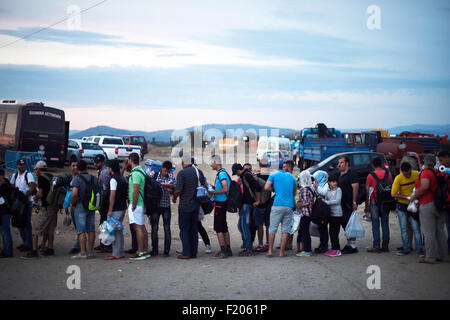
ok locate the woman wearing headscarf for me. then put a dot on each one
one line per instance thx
(304, 205)
(321, 182)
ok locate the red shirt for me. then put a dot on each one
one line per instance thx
(429, 195)
(371, 182)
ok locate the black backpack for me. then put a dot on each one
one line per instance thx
(234, 196)
(320, 210)
(153, 192)
(384, 200)
(441, 193)
(93, 194)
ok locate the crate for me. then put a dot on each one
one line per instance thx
(152, 166)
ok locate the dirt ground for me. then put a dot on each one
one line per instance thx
(207, 278)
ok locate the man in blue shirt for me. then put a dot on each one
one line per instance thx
(283, 184)
(222, 185)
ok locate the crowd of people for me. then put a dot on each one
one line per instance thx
(269, 202)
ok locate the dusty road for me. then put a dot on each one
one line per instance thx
(242, 278)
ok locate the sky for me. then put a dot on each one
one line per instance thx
(153, 65)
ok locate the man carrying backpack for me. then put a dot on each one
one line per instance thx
(251, 199)
(136, 207)
(103, 177)
(444, 164)
(431, 218)
(24, 181)
(221, 192)
(377, 209)
(43, 220)
(84, 218)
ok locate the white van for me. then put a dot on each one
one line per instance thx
(276, 144)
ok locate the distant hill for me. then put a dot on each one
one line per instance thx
(165, 135)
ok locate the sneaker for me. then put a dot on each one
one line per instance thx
(141, 256)
(333, 253)
(265, 248)
(4, 255)
(229, 253)
(208, 249)
(153, 253)
(221, 255)
(48, 252)
(31, 255)
(131, 251)
(90, 255)
(421, 254)
(303, 254)
(74, 251)
(246, 253)
(320, 250)
(80, 256)
(349, 250)
(179, 251)
(403, 253)
(384, 249)
(374, 250)
(259, 249)
(23, 248)
(400, 249)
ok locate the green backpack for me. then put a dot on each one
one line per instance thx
(57, 192)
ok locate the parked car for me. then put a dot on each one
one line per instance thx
(114, 147)
(81, 150)
(360, 162)
(136, 141)
(273, 158)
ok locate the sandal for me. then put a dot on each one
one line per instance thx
(113, 258)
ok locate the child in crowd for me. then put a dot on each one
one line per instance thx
(333, 199)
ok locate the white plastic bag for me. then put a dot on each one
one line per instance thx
(314, 230)
(412, 207)
(106, 238)
(296, 217)
(355, 228)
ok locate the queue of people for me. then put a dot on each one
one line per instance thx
(124, 186)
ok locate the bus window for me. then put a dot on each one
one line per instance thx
(11, 124)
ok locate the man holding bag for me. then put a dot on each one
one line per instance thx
(402, 190)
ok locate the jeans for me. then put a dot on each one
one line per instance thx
(433, 228)
(304, 232)
(203, 234)
(25, 233)
(244, 222)
(6, 235)
(447, 222)
(403, 219)
(118, 243)
(154, 220)
(375, 212)
(188, 224)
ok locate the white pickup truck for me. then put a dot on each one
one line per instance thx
(114, 147)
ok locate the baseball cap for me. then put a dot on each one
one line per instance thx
(21, 161)
(41, 165)
(235, 167)
(99, 158)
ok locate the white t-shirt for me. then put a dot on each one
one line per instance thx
(113, 184)
(21, 182)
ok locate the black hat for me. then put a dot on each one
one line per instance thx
(235, 167)
(21, 161)
(99, 158)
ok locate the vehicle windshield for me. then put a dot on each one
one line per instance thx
(112, 141)
(324, 161)
(138, 140)
(91, 146)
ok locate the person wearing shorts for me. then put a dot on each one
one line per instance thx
(283, 183)
(84, 218)
(136, 208)
(222, 186)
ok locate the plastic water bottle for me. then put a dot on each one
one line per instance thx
(97, 200)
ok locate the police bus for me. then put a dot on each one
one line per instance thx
(33, 127)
